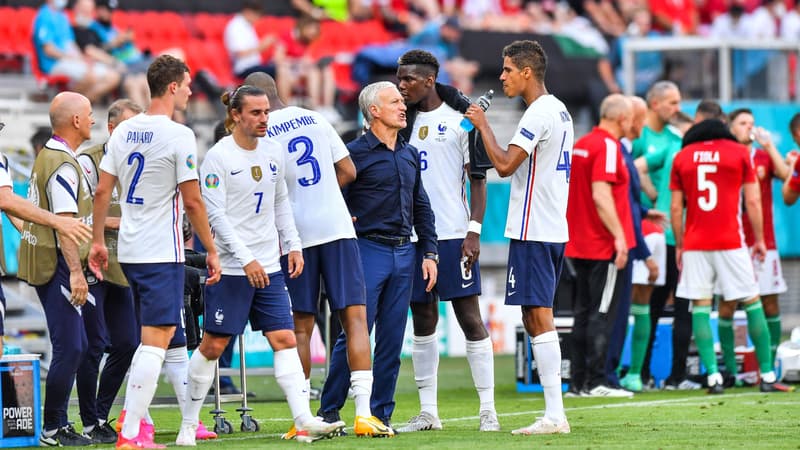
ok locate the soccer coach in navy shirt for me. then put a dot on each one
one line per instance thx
(386, 200)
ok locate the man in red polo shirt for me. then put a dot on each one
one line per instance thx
(601, 233)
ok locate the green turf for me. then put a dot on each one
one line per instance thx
(740, 418)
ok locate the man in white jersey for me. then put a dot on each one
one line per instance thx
(317, 166)
(444, 151)
(248, 206)
(538, 160)
(18, 207)
(154, 160)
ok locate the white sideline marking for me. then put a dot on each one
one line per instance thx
(684, 401)
(677, 401)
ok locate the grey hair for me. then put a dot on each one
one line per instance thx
(615, 106)
(369, 97)
(119, 107)
(659, 88)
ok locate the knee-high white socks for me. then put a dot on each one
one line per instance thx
(425, 356)
(142, 382)
(547, 353)
(200, 377)
(290, 377)
(176, 367)
(480, 356)
(361, 382)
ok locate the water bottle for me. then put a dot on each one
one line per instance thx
(483, 101)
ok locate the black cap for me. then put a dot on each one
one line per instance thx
(110, 4)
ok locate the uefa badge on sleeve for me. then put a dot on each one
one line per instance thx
(190, 162)
(212, 181)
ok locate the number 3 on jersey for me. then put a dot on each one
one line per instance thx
(135, 157)
(306, 158)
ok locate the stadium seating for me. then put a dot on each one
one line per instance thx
(199, 34)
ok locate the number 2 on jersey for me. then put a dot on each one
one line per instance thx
(134, 158)
(306, 158)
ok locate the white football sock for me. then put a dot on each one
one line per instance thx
(142, 382)
(361, 382)
(176, 366)
(768, 377)
(425, 356)
(547, 353)
(147, 417)
(480, 356)
(200, 377)
(292, 380)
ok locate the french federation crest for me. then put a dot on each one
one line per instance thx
(256, 173)
(423, 133)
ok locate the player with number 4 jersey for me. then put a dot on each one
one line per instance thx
(538, 160)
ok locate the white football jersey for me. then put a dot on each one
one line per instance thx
(311, 147)
(248, 206)
(151, 155)
(537, 207)
(443, 148)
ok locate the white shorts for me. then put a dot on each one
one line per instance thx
(730, 270)
(770, 274)
(657, 244)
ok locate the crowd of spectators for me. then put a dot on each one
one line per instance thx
(99, 59)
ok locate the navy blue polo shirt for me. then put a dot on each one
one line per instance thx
(387, 196)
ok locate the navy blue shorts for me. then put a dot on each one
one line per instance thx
(232, 301)
(339, 265)
(533, 272)
(452, 282)
(158, 290)
(179, 338)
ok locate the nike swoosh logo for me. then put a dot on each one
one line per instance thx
(512, 293)
(235, 172)
(464, 286)
(197, 399)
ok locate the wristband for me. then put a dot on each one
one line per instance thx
(474, 227)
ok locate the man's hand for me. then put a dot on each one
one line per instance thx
(471, 250)
(73, 229)
(477, 116)
(213, 268)
(429, 272)
(652, 268)
(657, 217)
(679, 258)
(760, 251)
(98, 259)
(621, 250)
(79, 288)
(256, 275)
(296, 264)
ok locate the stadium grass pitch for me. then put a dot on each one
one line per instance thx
(742, 417)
